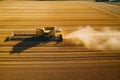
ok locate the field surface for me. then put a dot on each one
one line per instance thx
(34, 60)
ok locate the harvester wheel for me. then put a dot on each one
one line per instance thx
(60, 38)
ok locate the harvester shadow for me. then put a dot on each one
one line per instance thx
(28, 43)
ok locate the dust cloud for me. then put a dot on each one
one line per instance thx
(104, 39)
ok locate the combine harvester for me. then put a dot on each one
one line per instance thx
(42, 34)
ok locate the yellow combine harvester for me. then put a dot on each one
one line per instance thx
(51, 33)
(42, 34)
